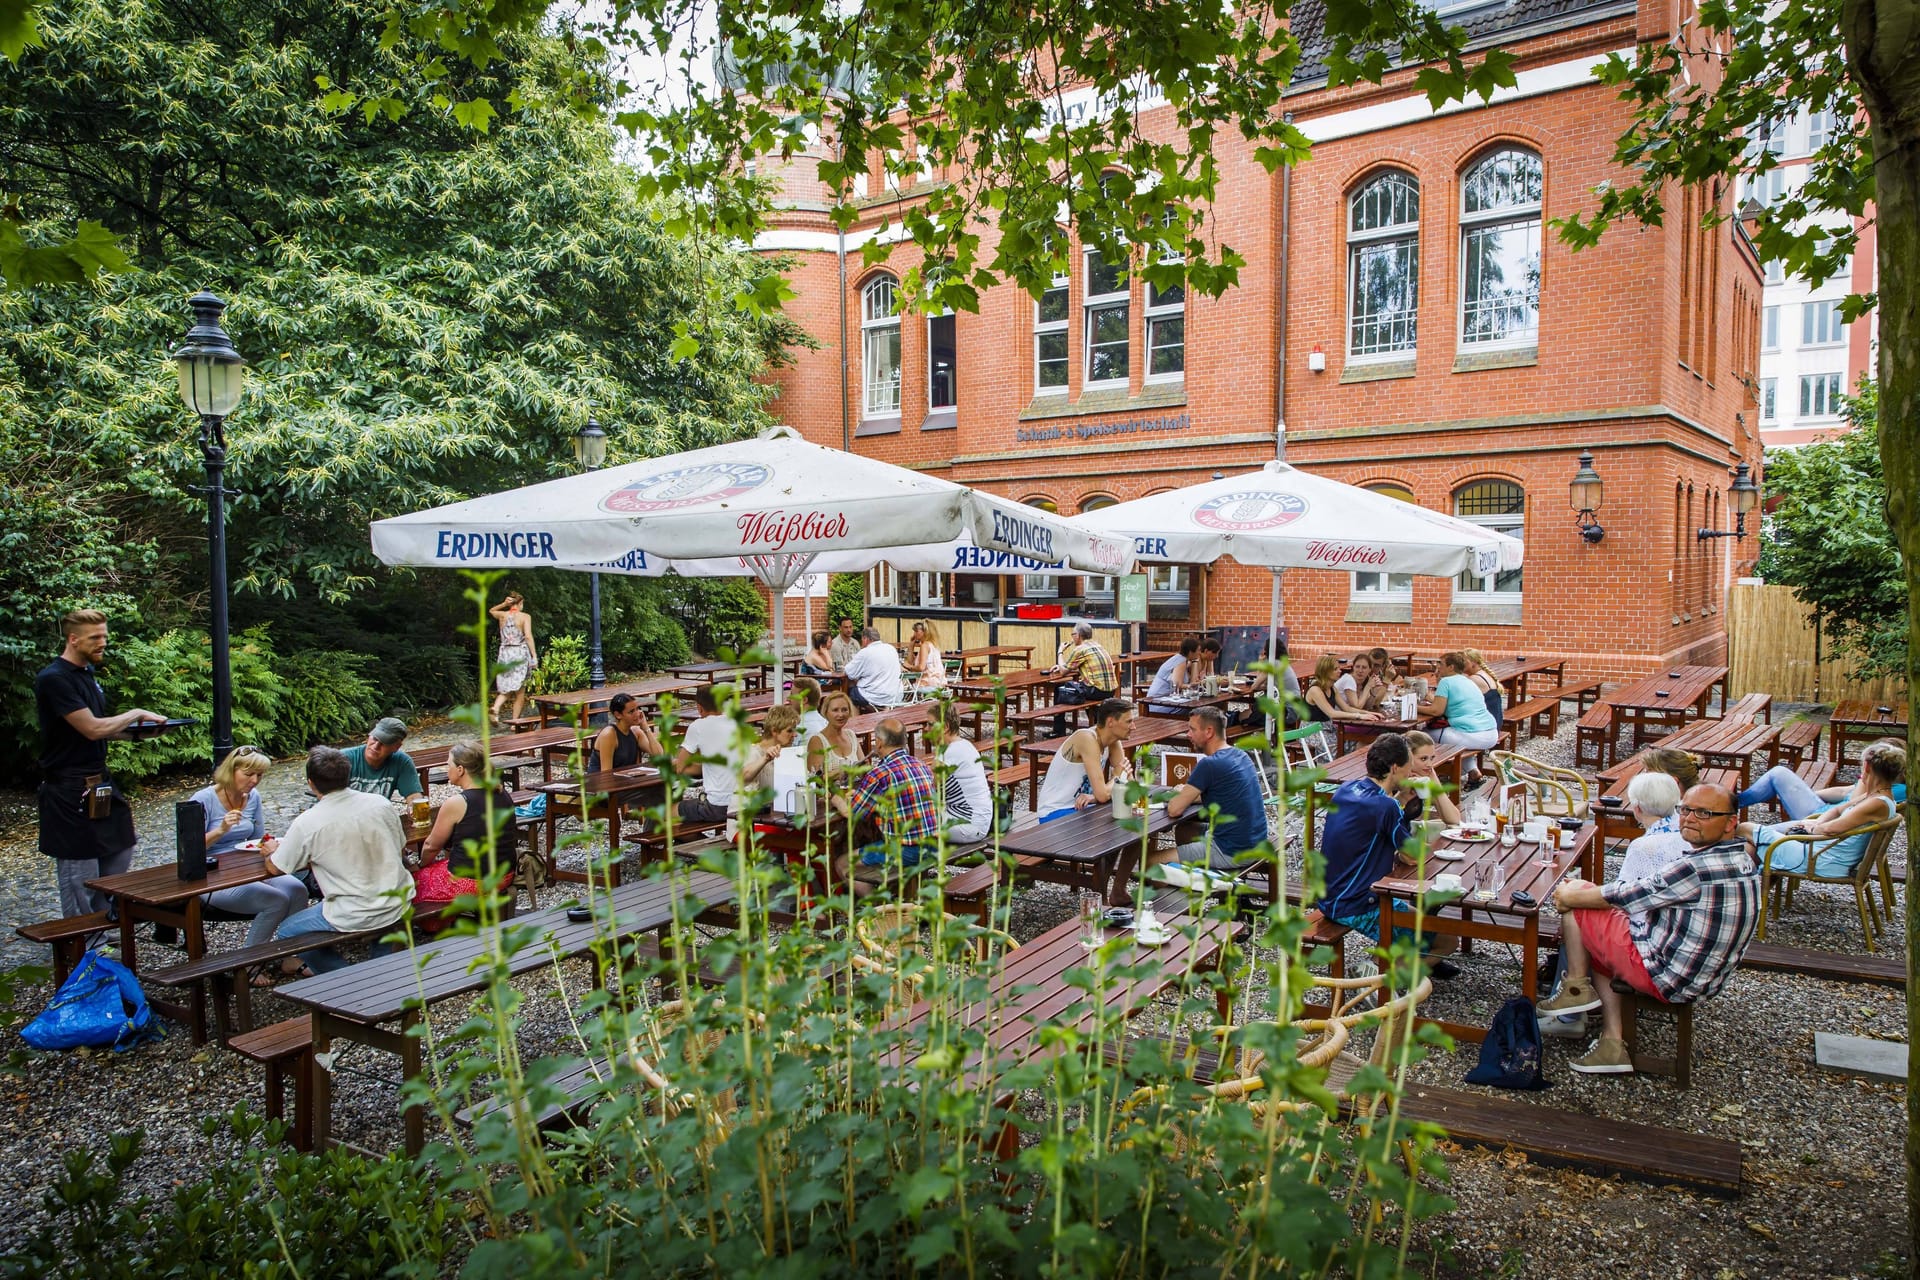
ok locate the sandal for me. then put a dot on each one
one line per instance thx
(260, 979)
(294, 967)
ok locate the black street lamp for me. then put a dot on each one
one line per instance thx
(1743, 495)
(1585, 492)
(590, 450)
(212, 377)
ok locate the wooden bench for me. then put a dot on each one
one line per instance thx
(1539, 716)
(971, 889)
(1680, 1065)
(653, 843)
(68, 939)
(1584, 695)
(1817, 773)
(286, 1050)
(1751, 707)
(1799, 742)
(1646, 1153)
(1593, 738)
(226, 974)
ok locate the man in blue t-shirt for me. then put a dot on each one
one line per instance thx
(1362, 841)
(1227, 780)
(381, 768)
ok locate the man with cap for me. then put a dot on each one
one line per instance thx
(381, 767)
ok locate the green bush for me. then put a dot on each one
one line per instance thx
(172, 675)
(272, 1214)
(563, 666)
(717, 613)
(328, 696)
(847, 598)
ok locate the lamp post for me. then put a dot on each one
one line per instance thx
(1586, 491)
(590, 450)
(212, 378)
(1743, 495)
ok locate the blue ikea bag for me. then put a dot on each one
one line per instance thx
(99, 1004)
(1512, 1054)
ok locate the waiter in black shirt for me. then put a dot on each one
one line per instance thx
(86, 825)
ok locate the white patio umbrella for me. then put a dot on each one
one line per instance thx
(1281, 517)
(772, 508)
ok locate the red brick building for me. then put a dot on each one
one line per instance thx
(1406, 319)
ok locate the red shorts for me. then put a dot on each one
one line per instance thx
(1610, 949)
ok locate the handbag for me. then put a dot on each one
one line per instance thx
(99, 1004)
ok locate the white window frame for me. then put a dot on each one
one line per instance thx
(1361, 242)
(881, 583)
(877, 321)
(1093, 304)
(1770, 328)
(1769, 399)
(1820, 395)
(1164, 308)
(1169, 583)
(1820, 127)
(1043, 328)
(1044, 585)
(1513, 525)
(952, 405)
(1821, 325)
(1523, 217)
(1776, 271)
(1370, 587)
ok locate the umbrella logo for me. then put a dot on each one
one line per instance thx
(1250, 509)
(686, 487)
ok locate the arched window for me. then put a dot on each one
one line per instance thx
(1383, 266)
(879, 349)
(1385, 588)
(1501, 505)
(1500, 250)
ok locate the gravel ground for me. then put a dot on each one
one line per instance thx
(1825, 1177)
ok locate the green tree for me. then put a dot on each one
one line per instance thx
(1828, 539)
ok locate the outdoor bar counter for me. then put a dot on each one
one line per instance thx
(979, 628)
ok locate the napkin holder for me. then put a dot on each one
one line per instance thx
(190, 839)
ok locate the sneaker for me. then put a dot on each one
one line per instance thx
(1608, 1057)
(1443, 970)
(1576, 996)
(1571, 1026)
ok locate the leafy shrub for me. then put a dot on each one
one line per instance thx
(172, 674)
(328, 696)
(847, 598)
(718, 613)
(273, 1214)
(563, 667)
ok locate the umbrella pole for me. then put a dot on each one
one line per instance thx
(779, 646)
(1276, 735)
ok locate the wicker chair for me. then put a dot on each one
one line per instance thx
(1777, 886)
(1574, 792)
(885, 934)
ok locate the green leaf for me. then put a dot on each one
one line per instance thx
(18, 29)
(476, 114)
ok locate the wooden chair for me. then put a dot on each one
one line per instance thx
(1777, 886)
(1680, 1065)
(1574, 792)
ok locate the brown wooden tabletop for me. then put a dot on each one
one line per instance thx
(581, 703)
(754, 673)
(1146, 729)
(501, 746)
(1856, 720)
(1514, 674)
(353, 1003)
(1499, 919)
(1031, 992)
(1368, 730)
(1021, 686)
(993, 654)
(1089, 849)
(1728, 743)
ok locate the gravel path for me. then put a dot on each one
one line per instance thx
(1825, 1189)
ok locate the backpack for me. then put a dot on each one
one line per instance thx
(1510, 1056)
(100, 1004)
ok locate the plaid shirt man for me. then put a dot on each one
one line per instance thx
(1691, 920)
(898, 791)
(1088, 663)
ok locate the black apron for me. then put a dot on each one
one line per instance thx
(66, 832)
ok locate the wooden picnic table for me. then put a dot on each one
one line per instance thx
(1856, 720)
(582, 704)
(1146, 729)
(1089, 849)
(1352, 767)
(611, 794)
(1665, 700)
(752, 674)
(1730, 744)
(1031, 994)
(1500, 920)
(991, 656)
(1514, 674)
(1368, 730)
(355, 1003)
(160, 895)
(506, 746)
(1021, 687)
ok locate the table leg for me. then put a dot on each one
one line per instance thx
(416, 1115)
(197, 949)
(1530, 958)
(129, 917)
(322, 1082)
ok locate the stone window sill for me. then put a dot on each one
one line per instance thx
(1484, 615)
(1511, 358)
(1377, 372)
(1379, 611)
(878, 426)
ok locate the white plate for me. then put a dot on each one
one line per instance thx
(250, 846)
(1158, 938)
(1438, 854)
(1459, 833)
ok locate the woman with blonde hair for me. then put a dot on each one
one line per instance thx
(235, 818)
(925, 661)
(1322, 702)
(835, 749)
(1483, 680)
(458, 856)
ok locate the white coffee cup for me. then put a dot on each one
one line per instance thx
(1447, 882)
(1534, 831)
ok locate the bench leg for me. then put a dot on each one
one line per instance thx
(276, 1090)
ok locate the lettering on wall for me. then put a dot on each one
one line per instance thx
(1096, 430)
